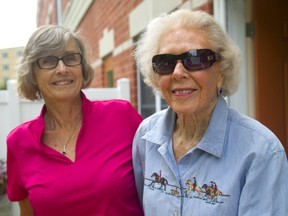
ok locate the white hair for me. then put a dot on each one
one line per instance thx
(158, 28)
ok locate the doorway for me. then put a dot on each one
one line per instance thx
(271, 65)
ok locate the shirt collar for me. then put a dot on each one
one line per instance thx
(38, 124)
(162, 130)
(213, 139)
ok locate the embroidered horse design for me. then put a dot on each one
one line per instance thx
(212, 194)
(158, 179)
(175, 192)
(192, 187)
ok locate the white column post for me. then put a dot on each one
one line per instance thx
(13, 103)
(123, 86)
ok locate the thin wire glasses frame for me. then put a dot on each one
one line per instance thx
(51, 62)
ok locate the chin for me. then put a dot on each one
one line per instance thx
(184, 109)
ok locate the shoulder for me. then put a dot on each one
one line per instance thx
(121, 108)
(23, 127)
(24, 131)
(158, 124)
(153, 119)
(116, 104)
(104, 103)
(112, 111)
(253, 133)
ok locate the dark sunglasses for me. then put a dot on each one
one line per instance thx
(193, 60)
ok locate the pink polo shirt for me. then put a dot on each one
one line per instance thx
(99, 182)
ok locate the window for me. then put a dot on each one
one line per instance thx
(5, 55)
(19, 53)
(5, 67)
(108, 76)
(110, 79)
(147, 100)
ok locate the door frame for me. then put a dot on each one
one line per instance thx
(231, 16)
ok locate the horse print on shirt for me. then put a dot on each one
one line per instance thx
(207, 192)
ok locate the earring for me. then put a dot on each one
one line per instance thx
(219, 92)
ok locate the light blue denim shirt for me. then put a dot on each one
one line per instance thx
(239, 168)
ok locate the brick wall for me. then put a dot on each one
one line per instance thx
(43, 14)
(114, 15)
(208, 7)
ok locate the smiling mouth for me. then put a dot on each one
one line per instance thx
(64, 82)
(183, 91)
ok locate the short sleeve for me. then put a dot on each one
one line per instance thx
(15, 187)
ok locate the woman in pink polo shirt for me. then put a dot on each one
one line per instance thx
(75, 157)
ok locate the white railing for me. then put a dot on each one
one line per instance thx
(14, 110)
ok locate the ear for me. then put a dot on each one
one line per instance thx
(34, 76)
(220, 80)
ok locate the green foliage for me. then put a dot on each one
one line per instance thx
(3, 84)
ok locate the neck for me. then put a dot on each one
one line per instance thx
(63, 132)
(189, 130)
(60, 122)
(63, 116)
(192, 127)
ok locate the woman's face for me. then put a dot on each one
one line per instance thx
(60, 83)
(189, 93)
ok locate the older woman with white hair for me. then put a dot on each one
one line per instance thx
(199, 156)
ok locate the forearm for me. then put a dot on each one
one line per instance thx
(26, 208)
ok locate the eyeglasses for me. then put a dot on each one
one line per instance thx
(51, 62)
(193, 60)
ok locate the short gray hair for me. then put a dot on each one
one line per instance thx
(148, 45)
(48, 40)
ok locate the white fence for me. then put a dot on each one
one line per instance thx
(14, 110)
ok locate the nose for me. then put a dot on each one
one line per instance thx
(179, 71)
(61, 67)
